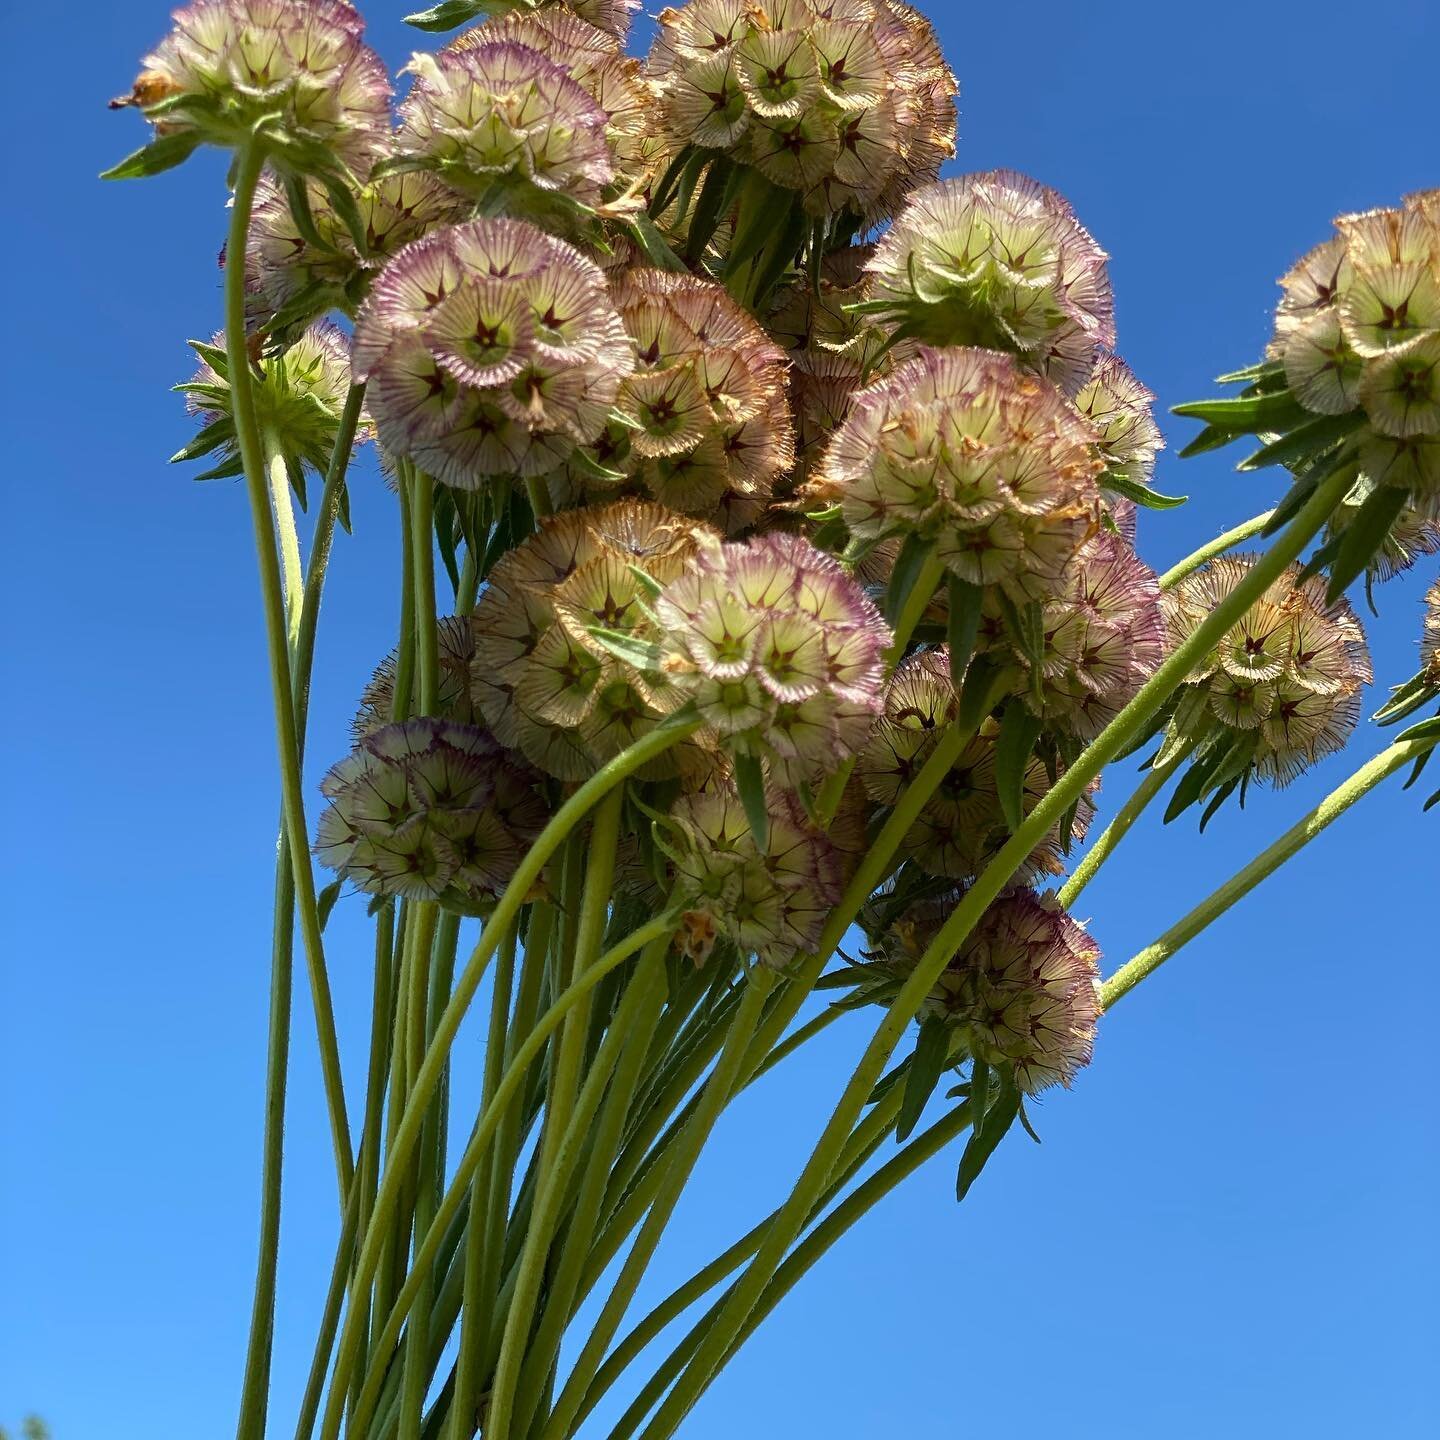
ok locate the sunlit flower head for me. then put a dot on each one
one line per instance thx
(1430, 634)
(967, 449)
(1120, 409)
(702, 424)
(291, 276)
(999, 260)
(963, 825)
(542, 681)
(1023, 992)
(491, 350)
(782, 652)
(301, 65)
(848, 102)
(1282, 689)
(429, 810)
(771, 905)
(299, 394)
(455, 651)
(1103, 636)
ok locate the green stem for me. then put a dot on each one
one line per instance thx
(1218, 546)
(1098, 853)
(248, 164)
(558, 1143)
(422, 536)
(1172, 673)
(516, 1072)
(277, 475)
(722, 1084)
(1330, 809)
(539, 497)
(400, 702)
(916, 604)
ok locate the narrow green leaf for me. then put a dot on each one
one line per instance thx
(708, 212)
(1014, 745)
(216, 433)
(979, 1092)
(446, 519)
(1365, 535)
(449, 14)
(962, 623)
(988, 1135)
(325, 901)
(1418, 769)
(648, 583)
(984, 684)
(1424, 730)
(159, 155)
(1216, 801)
(927, 1065)
(1142, 495)
(759, 204)
(908, 565)
(652, 244)
(642, 654)
(1305, 442)
(690, 158)
(750, 782)
(1247, 414)
(348, 209)
(1212, 437)
(1252, 374)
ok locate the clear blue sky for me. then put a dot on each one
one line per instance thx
(1230, 1228)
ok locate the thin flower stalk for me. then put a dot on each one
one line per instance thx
(1218, 546)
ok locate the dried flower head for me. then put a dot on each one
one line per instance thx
(298, 393)
(999, 260)
(1101, 635)
(495, 118)
(492, 351)
(1023, 992)
(298, 65)
(1430, 634)
(429, 810)
(455, 652)
(965, 448)
(543, 682)
(847, 102)
(781, 650)
(1282, 688)
(702, 424)
(1358, 328)
(772, 905)
(963, 825)
(295, 279)
(1120, 409)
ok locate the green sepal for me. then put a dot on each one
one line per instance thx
(988, 1133)
(908, 565)
(218, 432)
(979, 1092)
(1212, 437)
(1216, 801)
(1247, 414)
(587, 464)
(964, 601)
(642, 654)
(1266, 370)
(215, 356)
(984, 684)
(298, 196)
(689, 161)
(1364, 537)
(780, 257)
(653, 246)
(1406, 699)
(648, 583)
(1142, 495)
(1305, 442)
(158, 156)
(1423, 730)
(927, 1064)
(1025, 1122)
(1020, 728)
(449, 14)
(750, 782)
(709, 208)
(377, 904)
(446, 517)
(342, 197)
(325, 901)
(227, 470)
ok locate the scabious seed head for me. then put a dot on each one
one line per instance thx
(540, 678)
(288, 275)
(591, 55)
(967, 449)
(501, 118)
(1023, 992)
(1358, 328)
(963, 826)
(781, 650)
(848, 102)
(1102, 634)
(429, 810)
(1430, 634)
(455, 652)
(999, 260)
(1282, 688)
(491, 350)
(1412, 535)
(301, 64)
(702, 424)
(771, 905)
(299, 394)
(1121, 410)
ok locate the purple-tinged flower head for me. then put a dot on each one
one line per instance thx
(782, 652)
(702, 424)
(430, 810)
(298, 392)
(962, 827)
(999, 260)
(847, 102)
(540, 678)
(1022, 993)
(455, 652)
(492, 352)
(771, 905)
(1358, 329)
(1102, 635)
(291, 277)
(965, 448)
(591, 55)
(500, 119)
(1121, 410)
(1430, 635)
(299, 65)
(1282, 688)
